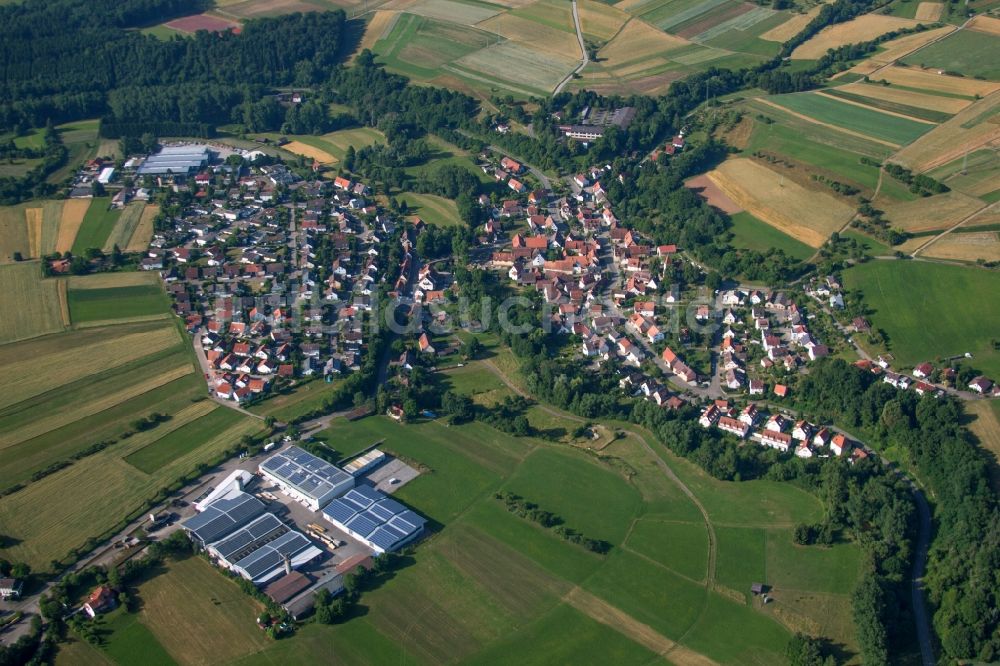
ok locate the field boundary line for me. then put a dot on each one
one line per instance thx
(806, 118)
(62, 289)
(820, 93)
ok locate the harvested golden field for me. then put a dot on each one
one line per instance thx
(125, 226)
(30, 305)
(926, 79)
(976, 126)
(926, 214)
(311, 152)
(807, 215)
(600, 20)
(860, 29)
(929, 11)
(908, 97)
(33, 218)
(638, 41)
(538, 35)
(967, 246)
(987, 24)
(380, 24)
(91, 404)
(73, 212)
(902, 46)
(143, 234)
(791, 27)
(985, 425)
(32, 368)
(111, 280)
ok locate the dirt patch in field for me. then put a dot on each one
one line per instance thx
(704, 187)
(69, 223)
(701, 26)
(791, 27)
(987, 24)
(860, 29)
(191, 24)
(952, 139)
(804, 214)
(306, 150)
(968, 246)
(929, 11)
(929, 79)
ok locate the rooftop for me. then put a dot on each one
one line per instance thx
(301, 470)
(223, 516)
(379, 519)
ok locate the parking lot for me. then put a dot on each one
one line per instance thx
(391, 476)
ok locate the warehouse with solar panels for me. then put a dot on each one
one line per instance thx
(381, 523)
(222, 516)
(264, 549)
(175, 160)
(310, 480)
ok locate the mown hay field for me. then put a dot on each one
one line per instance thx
(929, 11)
(73, 212)
(930, 81)
(600, 21)
(807, 215)
(966, 246)
(949, 105)
(143, 232)
(37, 366)
(791, 27)
(125, 226)
(97, 225)
(31, 305)
(538, 35)
(857, 30)
(312, 152)
(110, 280)
(925, 214)
(637, 42)
(13, 232)
(183, 609)
(971, 53)
(899, 47)
(971, 129)
(521, 64)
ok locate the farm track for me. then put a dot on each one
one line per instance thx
(584, 58)
(947, 231)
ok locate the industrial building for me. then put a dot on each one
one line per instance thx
(264, 549)
(381, 523)
(365, 463)
(221, 517)
(310, 480)
(175, 160)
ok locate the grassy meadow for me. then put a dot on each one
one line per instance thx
(97, 226)
(752, 234)
(945, 316)
(126, 302)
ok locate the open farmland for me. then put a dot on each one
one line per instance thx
(97, 225)
(312, 152)
(985, 425)
(419, 46)
(929, 11)
(114, 490)
(930, 81)
(183, 440)
(790, 27)
(516, 66)
(969, 130)
(465, 13)
(248, 9)
(965, 245)
(379, 24)
(39, 365)
(752, 234)
(944, 317)
(969, 52)
(125, 226)
(13, 232)
(123, 302)
(945, 106)
(976, 174)
(143, 232)
(73, 213)
(600, 21)
(881, 126)
(540, 35)
(863, 28)
(191, 24)
(806, 215)
(181, 607)
(926, 213)
(31, 306)
(894, 49)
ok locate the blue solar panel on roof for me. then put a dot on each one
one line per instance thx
(392, 505)
(382, 512)
(363, 524)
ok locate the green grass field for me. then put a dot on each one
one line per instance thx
(304, 398)
(182, 441)
(88, 305)
(130, 637)
(967, 52)
(872, 246)
(752, 234)
(947, 315)
(97, 226)
(866, 121)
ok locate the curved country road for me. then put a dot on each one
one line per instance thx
(584, 58)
